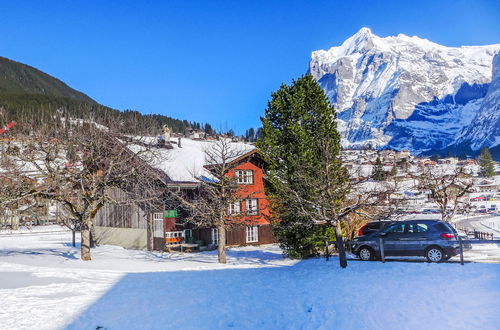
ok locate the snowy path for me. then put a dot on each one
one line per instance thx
(488, 224)
(493, 225)
(43, 285)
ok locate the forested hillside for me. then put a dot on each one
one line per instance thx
(32, 98)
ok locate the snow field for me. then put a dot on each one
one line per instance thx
(312, 294)
(43, 285)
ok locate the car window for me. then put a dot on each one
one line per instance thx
(440, 227)
(396, 228)
(444, 227)
(420, 227)
(411, 228)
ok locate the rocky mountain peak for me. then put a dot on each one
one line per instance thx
(403, 92)
(360, 41)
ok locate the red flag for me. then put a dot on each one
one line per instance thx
(6, 128)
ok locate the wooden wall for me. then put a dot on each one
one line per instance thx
(121, 216)
(237, 236)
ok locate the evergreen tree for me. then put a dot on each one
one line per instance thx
(259, 134)
(251, 134)
(486, 163)
(435, 157)
(208, 129)
(394, 171)
(378, 172)
(301, 145)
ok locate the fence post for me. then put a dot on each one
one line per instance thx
(381, 246)
(461, 250)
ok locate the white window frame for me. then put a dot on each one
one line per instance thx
(235, 208)
(158, 225)
(215, 236)
(244, 176)
(252, 206)
(252, 234)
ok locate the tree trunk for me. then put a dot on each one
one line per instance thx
(73, 233)
(14, 221)
(92, 242)
(340, 245)
(85, 248)
(221, 248)
(150, 233)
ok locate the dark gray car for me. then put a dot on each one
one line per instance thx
(433, 239)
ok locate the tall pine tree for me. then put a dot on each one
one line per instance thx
(307, 181)
(486, 163)
(378, 172)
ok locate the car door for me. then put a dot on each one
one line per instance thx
(392, 239)
(410, 243)
(422, 237)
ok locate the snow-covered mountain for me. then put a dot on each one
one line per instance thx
(405, 92)
(485, 127)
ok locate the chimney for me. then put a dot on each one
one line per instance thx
(166, 133)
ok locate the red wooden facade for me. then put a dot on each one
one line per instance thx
(261, 233)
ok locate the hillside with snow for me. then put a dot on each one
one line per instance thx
(406, 92)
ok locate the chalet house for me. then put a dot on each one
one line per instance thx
(134, 226)
(467, 162)
(248, 169)
(387, 154)
(403, 154)
(426, 163)
(488, 186)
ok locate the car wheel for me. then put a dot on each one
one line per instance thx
(365, 254)
(434, 254)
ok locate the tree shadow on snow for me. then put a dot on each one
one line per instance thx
(40, 252)
(198, 299)
(247, 257)
(309, 294)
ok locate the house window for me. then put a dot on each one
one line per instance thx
(252, 234)
(235, 208)
(251, 206)
(215, 236)
(244, 176)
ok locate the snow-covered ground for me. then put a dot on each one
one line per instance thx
(32, 229)
(484, 223)
(492, 224)
(44, 285)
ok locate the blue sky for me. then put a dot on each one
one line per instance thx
(212, 61)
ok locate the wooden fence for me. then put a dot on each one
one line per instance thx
(477, 234)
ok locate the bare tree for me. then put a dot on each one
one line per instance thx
(336, 198)
(16, 186)
(446, 188)
(216, 201)
(78, 163)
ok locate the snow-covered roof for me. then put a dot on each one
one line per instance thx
(187, 163)
(493, 181)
